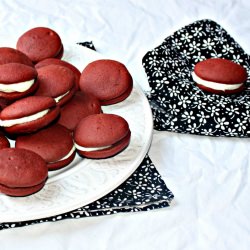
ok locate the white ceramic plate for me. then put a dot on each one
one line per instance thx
(85, 180)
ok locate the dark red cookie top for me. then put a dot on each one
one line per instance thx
(21, 168)
(100, 130)
(56, 61)
(52, 143)
(16, 72)
(54, 81)
(80, 106)
(10, 55)
(221, 71)
(106, 79)
(26, 107)
(40, 43)
(4, 143)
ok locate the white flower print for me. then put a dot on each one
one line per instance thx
(180, 72)
(183, 101)
(207, 131)
(197, 31)
(135, 193)
(221, 123)
(246, 115)
(231, 132)
(200, 104)
(160, 83)
(161, 101)
(192, 128)
(221, 103)
(220, 39)
(227, 49)
(208, 44)
(173, 126)
(157, 72)
(188, 116)
(232, 110)
(198, 57)
(202, 117)
(215, 54)
(237, 59)
(240, 125)
(186, 37)
(176, 43)
(174, 91)
(213, 110)
(173, 109)
(193, 47)
(154, 189)
(209, 28)
(185, 54)
(152, 61)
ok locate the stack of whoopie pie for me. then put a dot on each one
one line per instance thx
(52, 111)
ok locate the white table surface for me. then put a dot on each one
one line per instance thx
(210, 177)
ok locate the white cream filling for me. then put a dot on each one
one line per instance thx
(16, 87)
(215, 85)
(90, 149)
(66, 156)
(9, 123)
(57, 99)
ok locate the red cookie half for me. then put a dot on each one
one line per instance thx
(108, 80)
(54, 144)
(56, 81)
(56, 61)
(22, 172)
(220, 76)
(17, 81)
(4, 143)
(80, 106)
(10, 55)
(101, 135)
(29, 114)
(40, 43)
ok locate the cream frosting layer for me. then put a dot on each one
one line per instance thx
(57, 99)
(215, 85)
(88, 149)
(66, 156)
(9, 123)
(16, 87)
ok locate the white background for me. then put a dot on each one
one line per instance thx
(209, 177)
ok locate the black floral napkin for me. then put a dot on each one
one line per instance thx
(177, 104)
(144, 190)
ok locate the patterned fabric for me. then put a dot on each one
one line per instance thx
(89, 45)
(144, 190)
(177, 104)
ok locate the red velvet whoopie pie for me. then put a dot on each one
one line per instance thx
(220, 76)
(81, 105)
(108, 80)
(101, 136)
(57, 82)
(68, 65)
(17, 81)
(10, 55)
(22, 172)
(54, 144)
(29, 114)
(40, 43)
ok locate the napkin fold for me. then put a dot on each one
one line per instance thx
(178, 105)
(144, 190)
